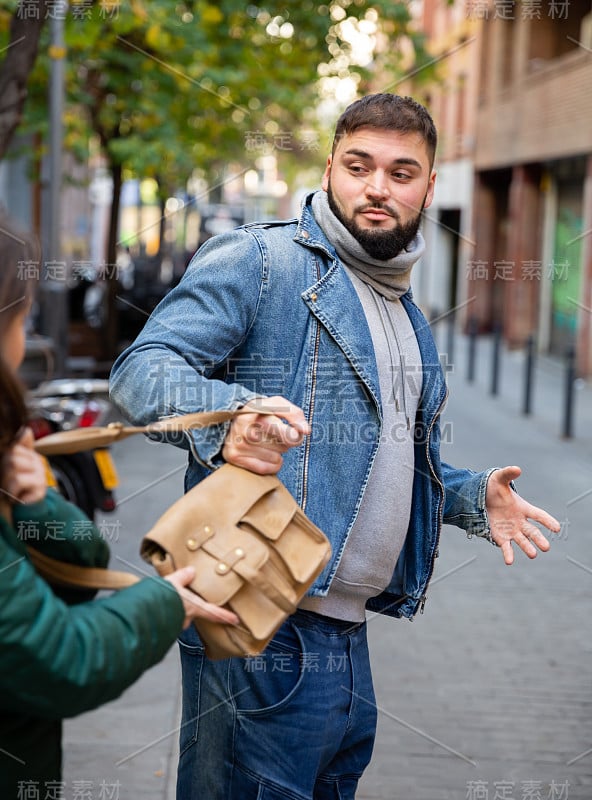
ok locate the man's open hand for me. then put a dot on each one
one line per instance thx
(510, 517)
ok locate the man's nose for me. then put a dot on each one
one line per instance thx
(377, 186)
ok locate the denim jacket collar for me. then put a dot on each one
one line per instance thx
(330, 297)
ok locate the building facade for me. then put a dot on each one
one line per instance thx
(451, 97)
(509, 233)
(531, 270)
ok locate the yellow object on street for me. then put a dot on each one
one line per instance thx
(50, 477)
(106, 468)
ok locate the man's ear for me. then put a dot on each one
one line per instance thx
(326, 175)
(430, 191)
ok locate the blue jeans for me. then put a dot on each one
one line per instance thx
(297, 722)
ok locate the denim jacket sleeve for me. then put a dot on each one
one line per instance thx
(174, 364)
(464, 503)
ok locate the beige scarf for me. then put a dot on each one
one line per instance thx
(390, 278)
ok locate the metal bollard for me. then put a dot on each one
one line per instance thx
(495, 360)
(529, 374)
(568, 405)
(472, 349)
(450, 336)
(434, 319)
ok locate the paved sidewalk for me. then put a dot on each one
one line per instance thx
(548, 387)
(486, 696)
(126, 750)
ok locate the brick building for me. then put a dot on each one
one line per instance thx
(531, 270)
(510, 231)
(451, 97)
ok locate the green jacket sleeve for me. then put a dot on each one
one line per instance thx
(57, 660)
(62, 531)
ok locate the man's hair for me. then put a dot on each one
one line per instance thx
(388, 112)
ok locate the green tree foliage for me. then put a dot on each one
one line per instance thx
(169, 87)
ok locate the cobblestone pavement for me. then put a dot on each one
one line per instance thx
(486, 696)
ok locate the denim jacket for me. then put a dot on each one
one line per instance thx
(268, 309)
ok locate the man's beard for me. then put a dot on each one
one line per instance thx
(379, 244)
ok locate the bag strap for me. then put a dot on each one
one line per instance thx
(79, 439)
(65, 574)
(75, 441)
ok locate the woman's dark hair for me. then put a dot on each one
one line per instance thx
(388, 112)
(18, 251)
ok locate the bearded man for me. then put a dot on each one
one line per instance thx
(313, 318)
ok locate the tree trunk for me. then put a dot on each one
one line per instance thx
(162, 243)
(21, 52)
(111, 323)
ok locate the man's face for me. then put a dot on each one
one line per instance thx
(378, 182)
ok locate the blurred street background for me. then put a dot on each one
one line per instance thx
(131, 132)
(487, 695)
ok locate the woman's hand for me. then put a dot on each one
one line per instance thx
(195, 607)
(25, 478)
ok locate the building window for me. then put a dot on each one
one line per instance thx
(551, 36)
(506, 52)
(484, 62)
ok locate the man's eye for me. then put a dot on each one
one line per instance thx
(401, 176)
(356, 169)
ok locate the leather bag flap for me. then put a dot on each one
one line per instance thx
(271, 513)
(217, 502)
(304, 549)
(175, 537)
(230, 492)
(258, 614)
(218, 564)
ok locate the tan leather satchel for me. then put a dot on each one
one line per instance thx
(254, 550)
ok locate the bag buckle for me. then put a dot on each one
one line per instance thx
(230, 559)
